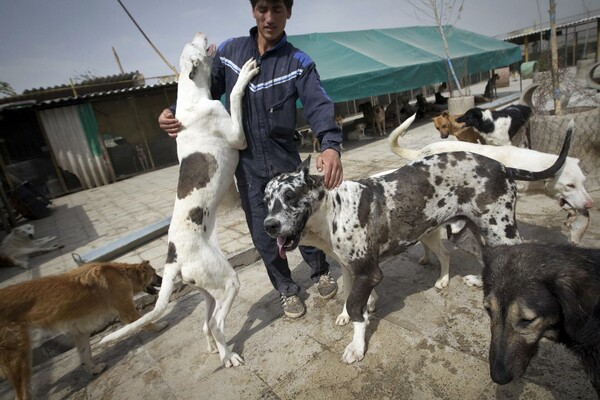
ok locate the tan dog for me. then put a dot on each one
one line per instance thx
(378, 115)
(77, 302)
(446, 124)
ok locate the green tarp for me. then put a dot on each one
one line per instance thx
(359, 64)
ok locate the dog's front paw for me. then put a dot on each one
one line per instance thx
(353, 353)
(232, 360)
(473, 280)
(443, 282)
(97, 368)
(342, 319)
(249, 70)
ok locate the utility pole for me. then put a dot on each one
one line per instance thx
(148, 39)
(118, 61)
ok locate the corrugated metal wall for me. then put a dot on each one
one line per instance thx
(67, 138)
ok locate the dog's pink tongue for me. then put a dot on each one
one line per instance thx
(280, 244)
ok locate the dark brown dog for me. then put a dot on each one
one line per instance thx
(446, 124)
(490, 88)
(539, 290)
(77, 302)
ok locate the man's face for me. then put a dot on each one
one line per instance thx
(271, 17)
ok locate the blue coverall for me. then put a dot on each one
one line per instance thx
(269, 117)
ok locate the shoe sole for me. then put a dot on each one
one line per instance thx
(330, 295)
(294, 315)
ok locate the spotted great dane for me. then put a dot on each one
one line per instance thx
(363, 221)
(207, 148)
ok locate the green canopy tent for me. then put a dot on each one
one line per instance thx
(359, 64)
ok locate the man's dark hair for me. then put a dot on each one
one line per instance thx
(287, 3)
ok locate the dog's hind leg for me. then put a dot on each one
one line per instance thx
(15, 359)
(219, 303)
(210, 308)
(82, 341)
(433, 242)
(347, 283)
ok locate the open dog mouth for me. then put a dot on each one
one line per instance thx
(155, 285)
(287, 243)
(564, 204)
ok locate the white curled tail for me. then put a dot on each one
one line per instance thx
(393, 140)
(170, 273)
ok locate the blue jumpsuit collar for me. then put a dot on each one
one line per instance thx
(254, 36)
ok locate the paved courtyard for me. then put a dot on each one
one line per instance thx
(423, 343)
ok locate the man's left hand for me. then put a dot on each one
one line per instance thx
(330, 164)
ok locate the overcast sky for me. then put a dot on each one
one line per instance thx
(46, 42)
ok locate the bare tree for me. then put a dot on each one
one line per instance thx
(444, 13)
(6, 90)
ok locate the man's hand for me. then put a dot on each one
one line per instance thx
(330, 164)
(168, 123)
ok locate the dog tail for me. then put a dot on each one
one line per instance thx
(524, 175)
(168, 282)
(393, 140)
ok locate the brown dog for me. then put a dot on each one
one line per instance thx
(446, 124)
(540, 290)
(77, 302)
(379, 119)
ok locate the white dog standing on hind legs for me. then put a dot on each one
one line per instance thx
(207, 148)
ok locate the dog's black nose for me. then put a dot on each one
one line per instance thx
(500, 373)
(272, 226)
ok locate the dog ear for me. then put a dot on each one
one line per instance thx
(274, 171)
(91, 275)
(574, 290)
(304, 167)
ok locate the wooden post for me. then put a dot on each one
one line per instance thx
(567, 45)
(526, 48)
(118, 60)
(554, 52)
(575, 48)
(597, 40)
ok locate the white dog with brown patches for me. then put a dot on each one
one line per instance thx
(207, 148)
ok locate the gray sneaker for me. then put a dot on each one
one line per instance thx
(327, 287)
(293, 306)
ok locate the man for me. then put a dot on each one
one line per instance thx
(286, 74)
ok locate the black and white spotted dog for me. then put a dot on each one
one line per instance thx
(363, 221)
(207, 148)
(500, 127)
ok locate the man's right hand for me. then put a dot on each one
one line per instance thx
(168, 123)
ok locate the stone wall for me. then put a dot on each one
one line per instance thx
(548, 133)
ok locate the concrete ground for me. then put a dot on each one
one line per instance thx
(423, 343)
